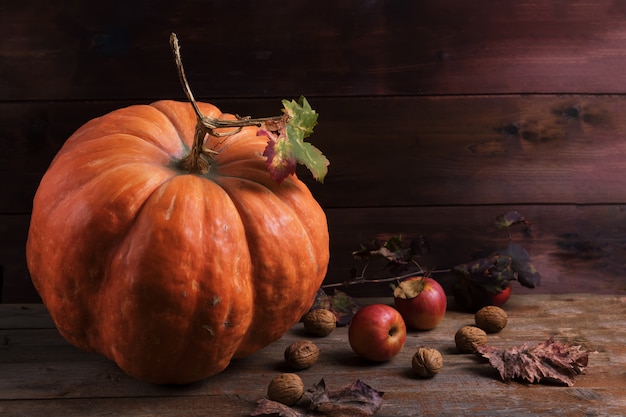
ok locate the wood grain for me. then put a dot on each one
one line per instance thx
(43, 375)
(399, 151)
(575, 248)
(118, 50)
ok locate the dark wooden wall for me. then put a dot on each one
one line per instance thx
(436, 116)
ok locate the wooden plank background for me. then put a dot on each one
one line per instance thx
(436, 116)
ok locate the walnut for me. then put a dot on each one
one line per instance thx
(427, 362)
(491, 319)
(301, 354)
(286, 389)
(320, 322)
(468, 337)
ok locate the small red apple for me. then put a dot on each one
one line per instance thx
(421, 301)
(473, 297)
(377, 332)
(498, 299)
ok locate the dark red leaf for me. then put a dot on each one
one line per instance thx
(548, 361)
(267, 407)
(280, 160)
(357, 399)
(527, 274)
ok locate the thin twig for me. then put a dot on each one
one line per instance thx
(362, 280)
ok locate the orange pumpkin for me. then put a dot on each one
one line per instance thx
(168, 273)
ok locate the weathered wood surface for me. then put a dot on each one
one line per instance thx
(43, 375)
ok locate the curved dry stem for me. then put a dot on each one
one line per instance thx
(199, 159)
(364, 280)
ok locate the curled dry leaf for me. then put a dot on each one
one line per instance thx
(547, 361)
(267, 407)
(354, 400)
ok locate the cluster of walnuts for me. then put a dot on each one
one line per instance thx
(489, 319)
(288, 388)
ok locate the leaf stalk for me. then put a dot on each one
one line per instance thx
(199, 159)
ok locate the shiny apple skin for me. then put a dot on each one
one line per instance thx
(426, 310)
(473, 297)
(377, 332)
(500, 298)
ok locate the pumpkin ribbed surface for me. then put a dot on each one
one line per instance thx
(167, 273)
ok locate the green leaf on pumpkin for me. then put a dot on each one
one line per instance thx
(302, 120)
(286, 146)
(280, 161)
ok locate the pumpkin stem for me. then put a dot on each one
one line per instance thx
(199, 159)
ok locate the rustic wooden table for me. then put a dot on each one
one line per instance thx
(42, 375)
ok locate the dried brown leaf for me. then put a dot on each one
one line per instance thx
(548, 361)
(354, 400)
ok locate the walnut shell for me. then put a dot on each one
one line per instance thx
(320, 322)
(468, 337)
(491, 319)
(286, 389)
(426, 362)
(301, 354)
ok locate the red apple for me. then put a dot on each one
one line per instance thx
(421, 301)
(377, 332)
(472, 297)
(498, 299)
